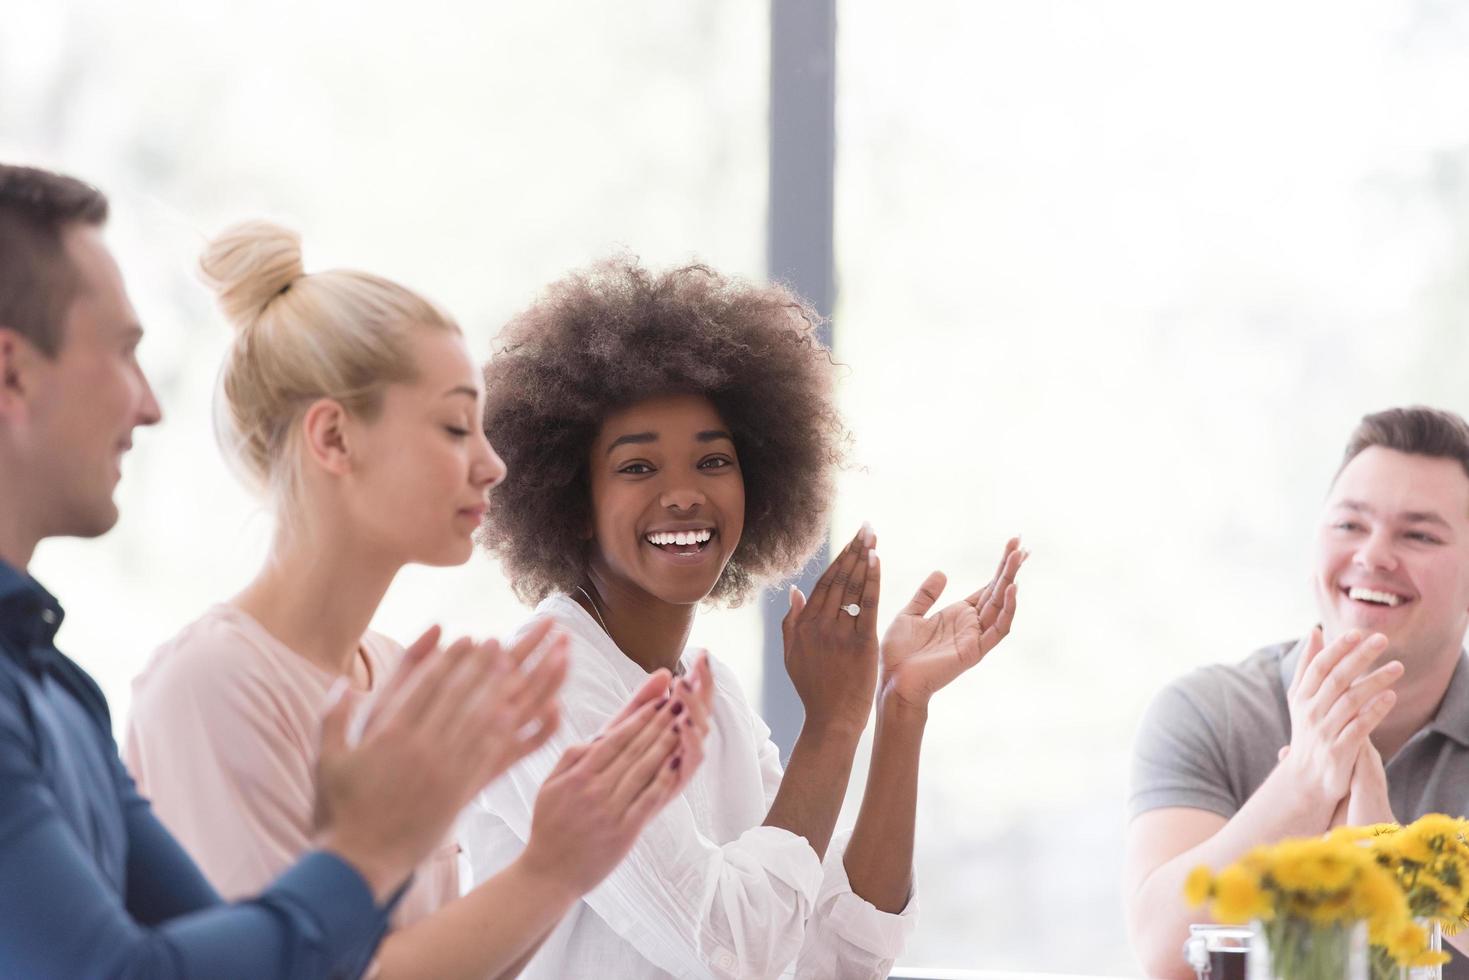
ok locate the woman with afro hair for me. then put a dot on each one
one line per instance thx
(672, 439)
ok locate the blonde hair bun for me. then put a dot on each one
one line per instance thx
(250, 264)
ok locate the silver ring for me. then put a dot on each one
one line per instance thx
(851, 609)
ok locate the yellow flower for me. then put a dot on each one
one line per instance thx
(1438, 826)
(1196, 888)
(1238, 897)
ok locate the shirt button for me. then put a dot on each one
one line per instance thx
(48, 616)
(725, 960)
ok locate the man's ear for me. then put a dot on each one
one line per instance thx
(324, 428)
(18, 361)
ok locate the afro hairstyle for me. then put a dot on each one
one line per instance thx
(615, 334)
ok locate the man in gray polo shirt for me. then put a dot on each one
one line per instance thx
(1291, 741)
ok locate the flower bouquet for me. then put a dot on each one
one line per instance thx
(1429, 859)
(1310, 901)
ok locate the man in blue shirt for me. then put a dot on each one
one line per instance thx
(91, 885)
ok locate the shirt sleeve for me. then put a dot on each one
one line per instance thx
(691, 907)
(216, 749)
(846, 935)
(60, 918)
(1178, 760)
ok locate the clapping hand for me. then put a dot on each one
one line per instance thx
(1336, 700)
(922, 654)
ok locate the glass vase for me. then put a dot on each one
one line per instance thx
(1435, 943)
(1297, 949)
(1389, 970)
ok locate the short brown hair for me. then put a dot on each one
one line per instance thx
(617, 334)
(1417, 430)
(37, 280)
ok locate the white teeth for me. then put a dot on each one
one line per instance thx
(679, 537)
(1371, 595)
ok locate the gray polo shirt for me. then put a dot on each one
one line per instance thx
(1210, 738)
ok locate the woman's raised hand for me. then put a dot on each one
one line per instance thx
(448, 722)
(923, 653)
(831, 639)
(601, 794)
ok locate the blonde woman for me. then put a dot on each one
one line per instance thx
(353, 404)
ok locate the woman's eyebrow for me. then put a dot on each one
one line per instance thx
(710, 435)
(462, 390)
(633, 437)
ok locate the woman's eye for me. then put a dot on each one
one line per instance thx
(715, 463)
(1423, 537)
(456, 431)
(1347, 526)
(636, 469)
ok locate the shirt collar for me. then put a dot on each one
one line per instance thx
(1452, 717)
(29, 618)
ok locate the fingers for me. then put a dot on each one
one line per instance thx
(1367, 720)
(654, 688)
(695, 694)
(473, 700)
(1346, 670)
(1006, 617)
(1311, 646)
(1284, 751)
(1323, 665)
(821, 591)
(640, 762)
(570, 757)
(532, 638)
(535, 734)
(615, 739)
(788, 622)
(403, 678)
(425, 687)
(1012, 547)
(1001, 593)
(841, 572)
(1351, 704)
(856, 586)
(871, 587)
(543, 681)
(420, 649)
(656, 794)
(928, 593)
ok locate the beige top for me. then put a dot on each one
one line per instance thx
(223, 737)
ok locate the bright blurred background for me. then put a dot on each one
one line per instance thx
(1119, 274)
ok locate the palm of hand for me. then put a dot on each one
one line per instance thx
(922, 654)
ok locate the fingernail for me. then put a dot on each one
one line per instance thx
(677, 761)
(1353, 636)
(661, 703)
(677, 708)
(872, 558)
(1377, 641)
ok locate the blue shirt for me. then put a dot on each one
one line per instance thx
(92, 885)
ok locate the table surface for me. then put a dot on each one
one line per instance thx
(922, 973)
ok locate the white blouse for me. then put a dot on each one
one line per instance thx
(706, 891)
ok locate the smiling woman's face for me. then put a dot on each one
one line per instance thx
(668, 499)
